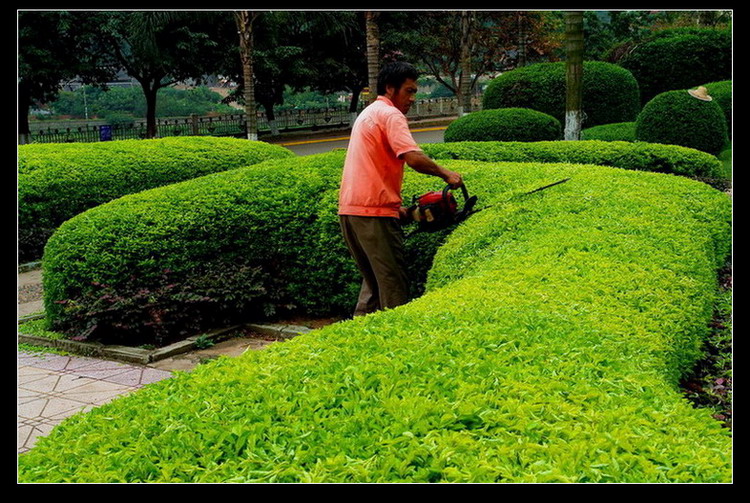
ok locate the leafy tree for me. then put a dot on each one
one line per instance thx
(434, 42)
(334, 47)
(300, 50)
(54, 47)
(161, 48)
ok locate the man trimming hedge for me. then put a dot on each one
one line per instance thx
(370, 205)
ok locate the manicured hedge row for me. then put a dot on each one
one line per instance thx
(547, 348)
(626, 155)
(504, 124)
(58, 181)
(610, 93)
(178, 258)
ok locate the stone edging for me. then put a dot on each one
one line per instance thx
(145, 356)
(29, 266)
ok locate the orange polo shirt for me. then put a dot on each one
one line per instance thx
(373, 172)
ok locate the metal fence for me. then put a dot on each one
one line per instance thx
(226, 125)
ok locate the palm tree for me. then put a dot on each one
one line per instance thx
(574, 74)
(373, 52)
(464, 82)
(244, 20)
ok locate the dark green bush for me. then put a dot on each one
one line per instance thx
(621, 131)
(58, 181)
(721, 92)
(504, 124)
(638, 156)
(547, 347)
(680, 59)
(677, 118)
(610, 93)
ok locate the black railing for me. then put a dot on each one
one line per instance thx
(226, 125)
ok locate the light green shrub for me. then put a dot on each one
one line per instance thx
(547, 348)
(637, 156)
(59, 181)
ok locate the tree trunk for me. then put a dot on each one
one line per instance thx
(149, 92)
(271, 118)
(574, 74)
(353, 106)
(521, 40)
(373, 53)
(24, 105)
(244, 20)
(464, 82)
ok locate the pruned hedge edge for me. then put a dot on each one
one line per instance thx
(546, 348)
(620, 154)
(57, 181)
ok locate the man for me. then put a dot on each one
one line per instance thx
(370, 205)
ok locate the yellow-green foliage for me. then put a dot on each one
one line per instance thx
(57, 181)
(547, 348)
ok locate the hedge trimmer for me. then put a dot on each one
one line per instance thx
(438, 210)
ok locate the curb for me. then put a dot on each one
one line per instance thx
(145, 356)
(29, 266)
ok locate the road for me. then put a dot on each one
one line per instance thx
(318, 145)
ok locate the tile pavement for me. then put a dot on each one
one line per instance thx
(52, 387)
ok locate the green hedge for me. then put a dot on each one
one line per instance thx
(58, 181)
(638, 156)
(676, 118)
(547, 348)
(681, 58)
(610, 93)
(178, 258)
(621, 131)
(157, 265)
(504, 124)
(721, 92)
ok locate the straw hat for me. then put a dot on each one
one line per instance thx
(701, 93)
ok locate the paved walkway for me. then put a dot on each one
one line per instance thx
(52, 387)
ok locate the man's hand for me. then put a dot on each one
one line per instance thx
(404, 215)
(418, 161)
(453, 179)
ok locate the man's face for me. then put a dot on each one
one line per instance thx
(403, 97)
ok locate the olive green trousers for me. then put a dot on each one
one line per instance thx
(377, 247)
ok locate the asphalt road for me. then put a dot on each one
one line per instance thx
(319, 145)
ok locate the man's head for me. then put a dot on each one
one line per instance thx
(398, 82)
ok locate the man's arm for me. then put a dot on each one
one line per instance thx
(419, 162)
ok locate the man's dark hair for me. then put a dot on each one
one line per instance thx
(395, 74)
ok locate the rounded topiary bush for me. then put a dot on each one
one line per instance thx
(721, 92)
(680, 59)
(504, 124)
(610, 93)
(621, 131)
(677, 118)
